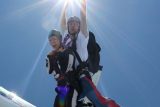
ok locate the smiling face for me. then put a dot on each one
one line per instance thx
(55, 42)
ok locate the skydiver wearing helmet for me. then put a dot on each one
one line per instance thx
(76, 36)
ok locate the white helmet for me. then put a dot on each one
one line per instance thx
(74, 18)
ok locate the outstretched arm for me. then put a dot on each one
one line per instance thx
(63, 17)
(83, 18)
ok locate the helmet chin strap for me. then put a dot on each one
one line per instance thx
(60, 46)
(74, 36)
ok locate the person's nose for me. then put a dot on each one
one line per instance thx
(73, 24)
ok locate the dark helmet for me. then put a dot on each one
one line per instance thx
(55, 33)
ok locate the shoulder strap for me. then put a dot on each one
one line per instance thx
(77, 56)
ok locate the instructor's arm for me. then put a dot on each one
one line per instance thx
(63, 24)
(83, 18)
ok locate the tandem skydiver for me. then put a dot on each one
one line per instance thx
(76, 36)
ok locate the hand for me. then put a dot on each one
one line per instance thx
(83, 1)
(62, 80)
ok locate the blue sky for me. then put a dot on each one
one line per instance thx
(127, 30)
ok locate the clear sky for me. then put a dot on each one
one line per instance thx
(127, 30)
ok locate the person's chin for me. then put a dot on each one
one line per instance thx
(73, 33)
(53, 47)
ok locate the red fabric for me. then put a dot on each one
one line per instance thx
(112, 103)
(109, 102)
(99, 96)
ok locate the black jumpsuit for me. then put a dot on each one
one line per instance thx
(62, 67)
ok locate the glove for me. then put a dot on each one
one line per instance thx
(63, 90)
(62, 80)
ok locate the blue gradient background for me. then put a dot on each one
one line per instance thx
(127, 30)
